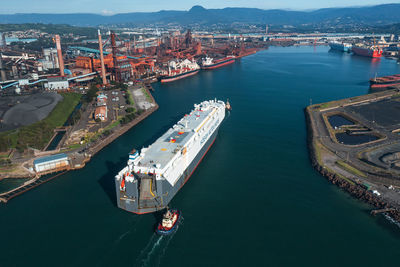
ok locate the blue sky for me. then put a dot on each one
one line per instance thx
(123, 6)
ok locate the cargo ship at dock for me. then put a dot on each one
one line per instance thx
(208, 63)
(340, 46)
(153, 177)
(180, 69)
(367, 51)
(380, 83)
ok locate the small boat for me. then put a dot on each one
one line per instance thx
(169, 222)
(228, 105)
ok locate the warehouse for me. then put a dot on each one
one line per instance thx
(57, 83)
(53, 162)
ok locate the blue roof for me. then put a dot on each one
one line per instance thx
(50, 158)
(95, 51)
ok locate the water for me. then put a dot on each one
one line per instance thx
(338, 120)
(56, 140)
(254, 200)
(355, 139)
(8, 184)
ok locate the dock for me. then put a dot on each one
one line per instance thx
(5, 197)
(149, 87)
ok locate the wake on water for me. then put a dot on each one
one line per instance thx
(390, 219)
(154, 251)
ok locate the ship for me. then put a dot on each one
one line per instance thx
(153, 177)
(385, 79)
(208, 63)
(340, 46)
(385, 82)
(367, 51)
(179, 70)
(169, 223)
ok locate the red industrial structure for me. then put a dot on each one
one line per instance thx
(60, 56)
(103, 69)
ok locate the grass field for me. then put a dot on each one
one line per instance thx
(350, 169)
(64, 108)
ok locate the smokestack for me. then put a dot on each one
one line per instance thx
(103, 70)
(60, 56)
(114, 53)
(2, 71)
(3, 40)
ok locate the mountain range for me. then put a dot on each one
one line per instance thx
(369, 15)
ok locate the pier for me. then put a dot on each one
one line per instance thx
(374, 212)
(5, 197)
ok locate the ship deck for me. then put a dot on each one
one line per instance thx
(163, 150)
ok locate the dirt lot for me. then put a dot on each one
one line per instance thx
(24, 110)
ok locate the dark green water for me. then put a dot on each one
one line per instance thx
(254, 200)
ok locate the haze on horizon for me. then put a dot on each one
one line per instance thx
(109, 7)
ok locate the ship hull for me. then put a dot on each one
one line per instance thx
(165, 191)
(339, 47)
(219, 64)
(384, 86)
(167, 79)
(365, 52)
(386, 79)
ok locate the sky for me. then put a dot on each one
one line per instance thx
(109, 7)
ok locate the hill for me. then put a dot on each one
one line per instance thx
(370, 15)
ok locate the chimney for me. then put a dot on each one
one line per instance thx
(103, 71)
(60, 56)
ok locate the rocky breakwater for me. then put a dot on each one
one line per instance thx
(356, 190)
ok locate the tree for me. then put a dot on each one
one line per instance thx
(91, 93)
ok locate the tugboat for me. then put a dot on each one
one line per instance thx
(169, 222)
(228, 105)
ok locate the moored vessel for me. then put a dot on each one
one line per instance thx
(367, 51)
(385, 79)
(208, 63)
(169, 222)
(340, 46)
(153, 177)
(179, 70)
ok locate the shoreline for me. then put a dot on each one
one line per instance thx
(354, 189)
(94, 148)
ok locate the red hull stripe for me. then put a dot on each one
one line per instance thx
(217, 65)
(139, 213)
(166, 80)
(384, 85)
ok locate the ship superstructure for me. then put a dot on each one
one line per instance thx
(208, 63)
(180, 69)
(340, 46)
(153, 177)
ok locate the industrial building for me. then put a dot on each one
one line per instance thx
(51, 163)
(50, 59)
(101, 113)
(101, 100)
(57, 83)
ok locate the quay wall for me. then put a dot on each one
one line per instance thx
(354, 190)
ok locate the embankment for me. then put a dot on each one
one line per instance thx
(354, 190)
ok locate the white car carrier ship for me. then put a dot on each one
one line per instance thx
(153, 177)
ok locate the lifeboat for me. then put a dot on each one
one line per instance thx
(169, 222)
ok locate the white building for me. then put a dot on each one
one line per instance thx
(57, 83)
(50, 60)
(53, 162)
